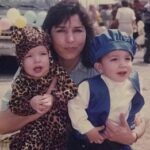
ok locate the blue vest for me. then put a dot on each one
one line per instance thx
(99, 104)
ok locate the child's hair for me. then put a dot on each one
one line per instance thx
(109, 41)
(27, 38)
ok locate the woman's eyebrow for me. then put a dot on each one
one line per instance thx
(60, 26)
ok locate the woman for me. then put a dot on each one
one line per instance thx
(71, 31)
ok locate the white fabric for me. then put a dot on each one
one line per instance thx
(121, 94)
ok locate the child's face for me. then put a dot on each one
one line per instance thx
(36, 62)
(116, 65)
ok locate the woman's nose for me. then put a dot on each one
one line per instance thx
(70, 37)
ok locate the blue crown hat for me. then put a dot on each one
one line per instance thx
(110, 41)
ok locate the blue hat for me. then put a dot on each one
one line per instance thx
(110, 41)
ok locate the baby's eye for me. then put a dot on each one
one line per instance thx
(28, 56)
(44, 53)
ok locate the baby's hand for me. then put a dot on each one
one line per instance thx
(47, 100)
(94, 135)
(42, 103)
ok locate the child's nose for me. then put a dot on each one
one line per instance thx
(37, 58)
(123, 63)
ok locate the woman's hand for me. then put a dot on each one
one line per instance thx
(120, 133)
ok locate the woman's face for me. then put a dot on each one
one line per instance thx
(69, 38)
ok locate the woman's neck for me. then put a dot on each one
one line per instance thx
(69, 65)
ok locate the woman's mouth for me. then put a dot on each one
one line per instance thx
(70, 48)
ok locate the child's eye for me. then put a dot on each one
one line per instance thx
(128, 58)
(44, 53)
(28, 56)
(113, 59)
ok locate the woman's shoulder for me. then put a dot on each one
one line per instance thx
(81, 72)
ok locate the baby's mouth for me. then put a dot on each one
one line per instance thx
(37, 69)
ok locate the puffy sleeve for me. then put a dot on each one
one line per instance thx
(77, 109)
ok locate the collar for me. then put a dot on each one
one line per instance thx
(80, 67)
(112, 83)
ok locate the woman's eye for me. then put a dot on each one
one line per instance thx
(60, 30)
(78, 30)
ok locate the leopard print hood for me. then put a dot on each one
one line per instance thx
(27, 38)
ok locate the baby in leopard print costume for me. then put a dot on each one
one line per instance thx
(37, 72)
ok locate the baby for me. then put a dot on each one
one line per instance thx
(37, 72)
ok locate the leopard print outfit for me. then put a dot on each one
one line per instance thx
(49, 131)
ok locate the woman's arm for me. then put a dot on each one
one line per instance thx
(140, 126)
(10, 122)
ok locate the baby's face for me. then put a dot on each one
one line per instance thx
(116, 65)
(36, 62)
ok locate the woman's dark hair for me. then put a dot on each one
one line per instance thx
(60, 13)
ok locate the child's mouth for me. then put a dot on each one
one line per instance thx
(122, 73)
(37, 69)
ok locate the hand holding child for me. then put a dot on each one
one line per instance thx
(120, 133)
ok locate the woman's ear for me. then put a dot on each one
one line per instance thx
(98, 67)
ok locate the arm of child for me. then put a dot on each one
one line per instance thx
(79, 118)
(66, 88)
(94, 135)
